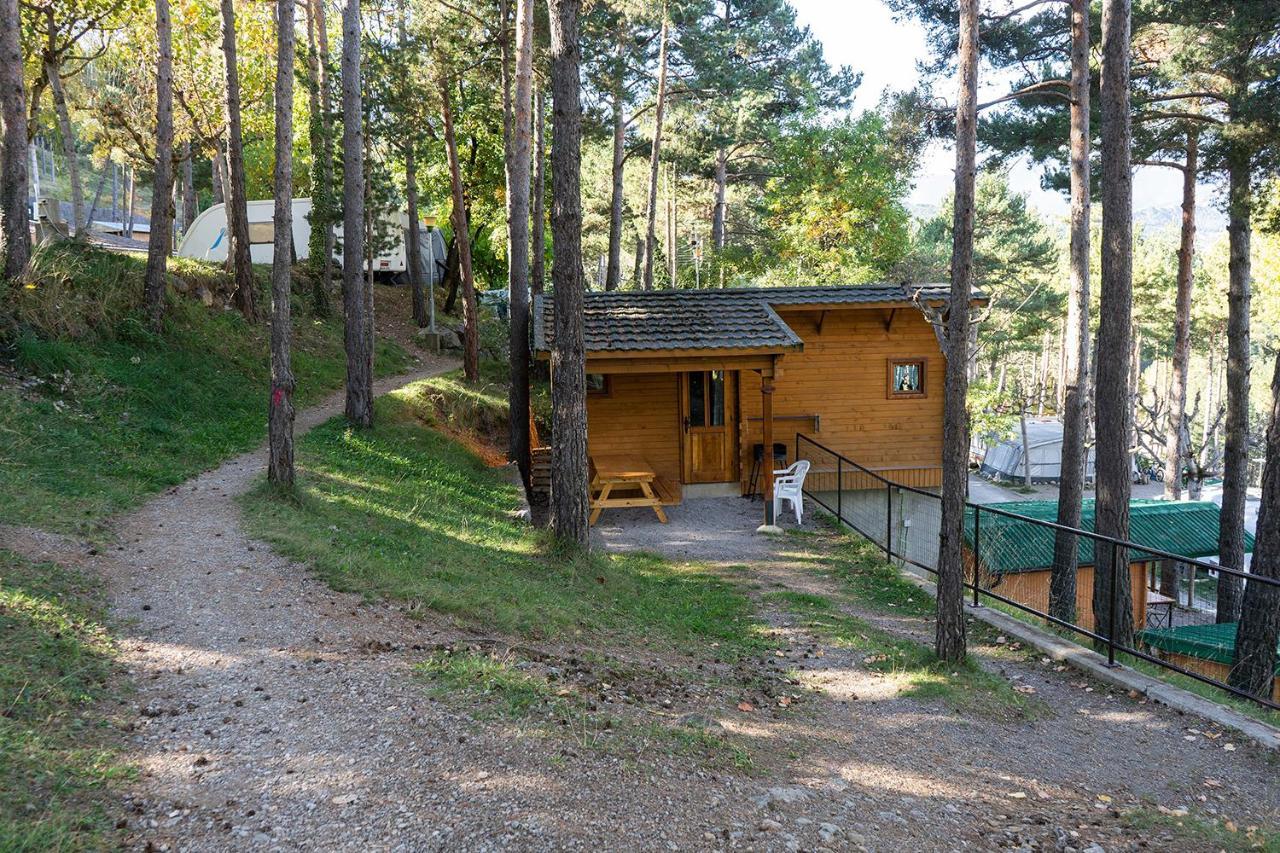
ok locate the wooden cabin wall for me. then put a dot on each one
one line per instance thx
(1032, 589)
(640, 415)
(842, 375)
(1211, 668)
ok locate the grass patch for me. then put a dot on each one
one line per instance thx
(55, 754)
(965, 688)
(101, 412)
(405, 512)
(1202, 833)
(477, 414)
(504, 687)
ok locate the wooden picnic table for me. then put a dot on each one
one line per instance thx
(633, 478)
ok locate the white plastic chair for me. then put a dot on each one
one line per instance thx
(788, 484)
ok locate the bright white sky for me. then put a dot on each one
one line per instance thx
(864, 35)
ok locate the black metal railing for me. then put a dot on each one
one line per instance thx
(1008, 559)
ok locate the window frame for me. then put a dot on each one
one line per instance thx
(894, 394)
(605, 390)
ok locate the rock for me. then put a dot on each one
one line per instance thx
(785, 795)
(449, 339)
(769, 825)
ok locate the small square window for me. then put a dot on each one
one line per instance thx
(906, 377)
(598, 385)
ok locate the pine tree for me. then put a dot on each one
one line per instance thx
(280, 404)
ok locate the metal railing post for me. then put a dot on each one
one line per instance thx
(840, 489)
(977, 553)
(1114, 605)
(888, 523)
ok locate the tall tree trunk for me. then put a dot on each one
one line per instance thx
(1235, 469)
(722, 187)
(613, 269)
(470, 336)
(537, 267)
(160, 240)
(15, 230)
(65, 128)
(327, 139)
(130, 200)
(1255, 662)
(651, 241)
(359, 343)
(415, 236)
(239, 260)
(518, 222)
(189, 206)
(1114, 413)
(1026, 447)
(216, 164)
(1175, 446)
(280, 407)
(320, 244)
(951, 642)
(568, 356)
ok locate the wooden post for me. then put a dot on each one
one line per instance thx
(766, 413)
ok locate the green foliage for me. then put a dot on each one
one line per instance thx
(404, 512)
(56, 756)
(837, 203)
(115, 413)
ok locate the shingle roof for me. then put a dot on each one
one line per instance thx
(733, 318)
(1186, 528)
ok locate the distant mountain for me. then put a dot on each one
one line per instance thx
(1210, 221)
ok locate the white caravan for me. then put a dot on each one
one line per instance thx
(207, 239)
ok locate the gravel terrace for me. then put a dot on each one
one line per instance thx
(272, 713)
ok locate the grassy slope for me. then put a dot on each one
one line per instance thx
(109, 413)
(56, 664)
(409, 513)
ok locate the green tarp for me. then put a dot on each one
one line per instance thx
(1206, 642)
(1188, 529)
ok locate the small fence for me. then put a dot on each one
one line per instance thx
(1009, 559)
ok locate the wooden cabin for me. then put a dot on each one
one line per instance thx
(1016, 555)
(1209, 650)
(694, 380)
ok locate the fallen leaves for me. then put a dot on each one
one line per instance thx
(746, 707)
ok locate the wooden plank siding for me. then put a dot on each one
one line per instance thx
(842, 376)
(641, 415)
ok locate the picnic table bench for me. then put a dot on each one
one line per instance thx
(626, 480)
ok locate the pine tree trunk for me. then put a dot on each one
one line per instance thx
(1255, 662)
(1235, 470)
(537, 267)
(216, 164)
(462, 236)
(613, 269)
(239, 260)
(66, 131)
(1113, 411)
(15, 232)
(568, 356)
(1175, 449)
(722, 187)
(319, 248)
(359, 344)
(951, 644)
(130, 200)
(160, 240)
(325, 173)
(651, 241)
(280, 406)
(1026, 448)
(189, 206)
(415, 237)
(518, 222)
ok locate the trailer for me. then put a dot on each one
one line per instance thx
(207, 239)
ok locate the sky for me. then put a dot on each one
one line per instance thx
(864, 35)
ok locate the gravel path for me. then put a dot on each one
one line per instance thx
(272, 713)
(926, 777)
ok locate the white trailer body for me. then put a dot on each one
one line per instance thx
(207, 238)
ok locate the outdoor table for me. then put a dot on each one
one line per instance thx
(626, 473)
(1154, 618)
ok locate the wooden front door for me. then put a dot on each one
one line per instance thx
(708, 407)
